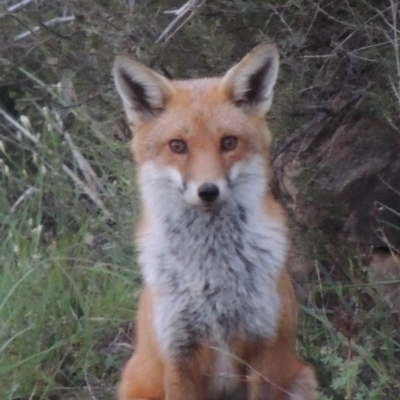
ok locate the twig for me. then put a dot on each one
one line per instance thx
(51, 22)
(281, 17)
(191, 6)
(394, 41)
(21, 198)
(389, 186)
(182, 9)
(16, 7)
(396, 50)
(86, 100)
(92, 195)
(319, 56)
(89, 387)
(17, 125)
(167, 38)
(83, 164)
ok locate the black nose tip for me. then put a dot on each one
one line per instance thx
(208, 192)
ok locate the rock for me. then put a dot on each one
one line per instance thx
(344, 179)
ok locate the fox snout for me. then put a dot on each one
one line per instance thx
(206, 194)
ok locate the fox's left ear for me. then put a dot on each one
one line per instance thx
(250, 83)
(144, 93)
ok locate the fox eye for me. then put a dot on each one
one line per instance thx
(229, 143)
(178, 146)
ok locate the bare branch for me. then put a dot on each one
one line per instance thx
(18, 126)
(21, 198)
(16, 7)
(89, 387)
(49, 23)
(92, 195)
(396, 49)
(189, 7)
(90, 176)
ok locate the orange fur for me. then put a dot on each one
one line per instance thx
(201, 112)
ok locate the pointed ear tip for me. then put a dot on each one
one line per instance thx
(269, 43)
(268, 47)
(122, 61)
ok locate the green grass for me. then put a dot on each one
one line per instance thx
(354, 350)
(62, 309)
(68, 274)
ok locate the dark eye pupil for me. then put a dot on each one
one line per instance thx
(229, 143)
(178, 146)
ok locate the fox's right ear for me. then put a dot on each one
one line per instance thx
(250, 83)
(144, 93)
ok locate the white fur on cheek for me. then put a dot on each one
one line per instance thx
(160, 185)
(248, 181)
(191, 195)
(161, 190)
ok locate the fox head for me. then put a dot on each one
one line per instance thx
(201, 141)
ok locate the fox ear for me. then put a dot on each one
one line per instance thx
(144, 93)
(250, 83)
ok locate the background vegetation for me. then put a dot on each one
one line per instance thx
(68, 277)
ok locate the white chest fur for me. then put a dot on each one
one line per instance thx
(212, 272)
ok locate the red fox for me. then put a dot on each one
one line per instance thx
(217, 316)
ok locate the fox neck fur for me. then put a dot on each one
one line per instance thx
(213, 272)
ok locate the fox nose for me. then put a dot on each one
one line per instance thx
(208, 192)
